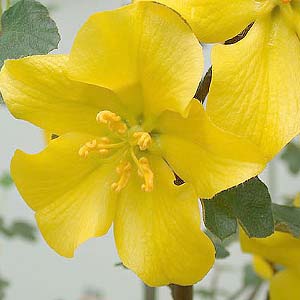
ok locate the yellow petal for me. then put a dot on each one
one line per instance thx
(145, 52)
(158, 234)
(36, 89)
(204, 155)
(285, 285)
(256, 84)
(262, 267)
(215, 20)
(71, 195)
(297, 200)
(280, 248)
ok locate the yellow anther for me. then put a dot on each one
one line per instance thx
(124, 170)
(286, 1)
(88, 147)
(143, 140)
(146, 172)
(112, 120)
(101, 146)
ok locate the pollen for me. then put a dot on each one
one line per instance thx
(124, 170)
(143, 140)
(146, 172)
(286, 1)
(113, 121)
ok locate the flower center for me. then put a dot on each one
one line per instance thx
(132, 140)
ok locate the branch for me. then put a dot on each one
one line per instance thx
(181, 292)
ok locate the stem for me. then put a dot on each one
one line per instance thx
(149, 293)
(182, 292)
(7, 4)
(254, 292)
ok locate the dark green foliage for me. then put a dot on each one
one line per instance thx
(27, 30)
(248, 204)
(287, 219)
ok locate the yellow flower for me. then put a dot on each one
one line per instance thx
(255, 91)
(279, 249)
(121, 104)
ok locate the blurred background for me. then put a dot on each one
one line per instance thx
(30, 270)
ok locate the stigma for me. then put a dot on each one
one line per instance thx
(143, 140)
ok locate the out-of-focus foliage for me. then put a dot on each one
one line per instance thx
(291, 156)
(19, 229)
(250, 278)
(3, 285)
(6, 180)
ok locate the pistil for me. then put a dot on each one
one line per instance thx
(143, 140)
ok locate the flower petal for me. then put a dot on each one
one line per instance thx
(158, 234)
(71, 195)
(215, 20)
(285, 285)
(256, 84)
(145, 52)
(200, 153)
(36, 89)
(262, 267)
(280, 248)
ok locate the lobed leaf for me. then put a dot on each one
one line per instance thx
(27, 29)
(248, 204)
(287, 219)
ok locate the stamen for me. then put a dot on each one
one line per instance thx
(124, 170)
(112, 120)
(143, 140)
(146, 172)
(286, 1)
(102, 146)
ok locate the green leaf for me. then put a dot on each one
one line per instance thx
(220, 246)
(218, 216)
(291, 155)
(248, 204)
(27, 30)
(287, 219)
(6, 180)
